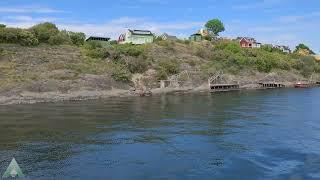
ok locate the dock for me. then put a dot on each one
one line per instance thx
(224, 87)
(268, 85)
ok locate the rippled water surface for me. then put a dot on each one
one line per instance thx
(238, 135)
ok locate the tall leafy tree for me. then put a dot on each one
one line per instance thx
(215, 26)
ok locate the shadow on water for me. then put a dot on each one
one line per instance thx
(173, 136)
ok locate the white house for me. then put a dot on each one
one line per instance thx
(136, 37)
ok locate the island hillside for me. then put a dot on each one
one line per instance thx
(44, 63)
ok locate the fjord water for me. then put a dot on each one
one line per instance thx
(267, 134)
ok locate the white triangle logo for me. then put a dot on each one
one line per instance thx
(13, 170)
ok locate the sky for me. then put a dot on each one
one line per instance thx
(282, 22)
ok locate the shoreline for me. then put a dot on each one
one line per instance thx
(53, 97)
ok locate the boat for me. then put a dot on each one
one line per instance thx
(302, 85)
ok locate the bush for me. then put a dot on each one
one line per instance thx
(92, 45)
(130, 50)
(114, 42)
(171, 66)
(169, 45)
(41, 33)
(162, 74)
(77, 39)
(97, 53)
(230, 46)
(60, 38)
(167, 68)
(137, 65)
(26, 38)
(2, 25)
(9, 35)
(263, 65)
(94, 49)
(121, 73)
(44, 31)
(17, 36)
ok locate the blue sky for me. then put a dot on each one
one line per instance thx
(284, 22)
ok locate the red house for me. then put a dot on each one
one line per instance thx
(247, 42)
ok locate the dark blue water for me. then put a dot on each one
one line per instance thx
(238, 135)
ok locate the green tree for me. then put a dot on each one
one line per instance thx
(44, 31)
(215, 26)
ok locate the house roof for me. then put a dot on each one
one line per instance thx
(248, 39)
(196, 34)
(141, 32)
(96, 38)
(286, 47)
(168, 36)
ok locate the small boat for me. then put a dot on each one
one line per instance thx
(302, 85)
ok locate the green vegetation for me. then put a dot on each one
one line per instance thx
(215, 26)
(44, 31)
(165, 68)
(41, 33)
(121, 61)
(229, 56)
(18, 36)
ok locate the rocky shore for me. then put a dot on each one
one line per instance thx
(52, 97)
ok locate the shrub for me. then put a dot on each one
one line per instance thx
(138, 65)
(130, 50)
(171, 66)
(121, 73)
(2, 25)
(77, 38)
(60, 38)
(233, 47)
(92, 45)
(9, 35)
(44, 31)
(94, 49)
(18, 36)
(169, 45)
(114, 42)
(162, 74)
(167, 68)
(263, 65)
(26, 38)
(98, 53)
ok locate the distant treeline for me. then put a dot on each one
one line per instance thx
(41, 33)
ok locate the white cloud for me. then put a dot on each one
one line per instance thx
(29, 9)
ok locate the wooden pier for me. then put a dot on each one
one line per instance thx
(224, 87)
(268, 85)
